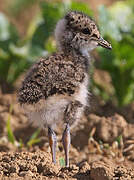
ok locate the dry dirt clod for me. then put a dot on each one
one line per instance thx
(110, 171)
(108, 129)
(27, 164)
(84, 167)
(101, 171)
(123, 173)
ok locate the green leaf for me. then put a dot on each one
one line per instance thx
(62, 162)
(34, 24)
(3, 54)
(35, 134)
(7, 30)
(119, 139)
(51, 13)
(10, 134)
(51, 45)
(4, 28)
(33, 139)
(80, 6)
(21, 51)
(21, 144)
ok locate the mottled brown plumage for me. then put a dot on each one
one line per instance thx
(55, 89)
(57, 74)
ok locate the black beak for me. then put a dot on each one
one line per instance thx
(104, 43)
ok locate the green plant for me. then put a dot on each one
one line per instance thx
(16, 54)
(11, 138)
(117, 25)
(34, 138)
(119, 140)
(62, 162)
(10, 134)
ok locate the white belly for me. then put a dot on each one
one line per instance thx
(50, 112)
(82, 94)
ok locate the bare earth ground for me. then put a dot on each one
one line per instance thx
(107, 160)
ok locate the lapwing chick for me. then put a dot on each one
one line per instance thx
(55, 89)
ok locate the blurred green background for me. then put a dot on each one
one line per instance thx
(26, 33)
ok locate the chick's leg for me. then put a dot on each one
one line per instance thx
(52, 143)
(66, 143)
(72, 114)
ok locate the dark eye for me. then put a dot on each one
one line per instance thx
(86, 31)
